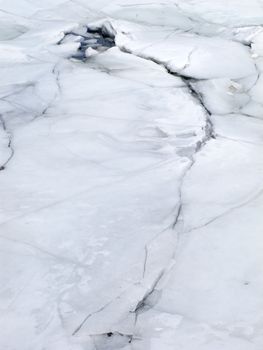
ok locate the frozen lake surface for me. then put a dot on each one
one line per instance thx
(131, 175)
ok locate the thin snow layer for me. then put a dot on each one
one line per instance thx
(131, 176)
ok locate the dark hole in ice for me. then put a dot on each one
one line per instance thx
(97, 39)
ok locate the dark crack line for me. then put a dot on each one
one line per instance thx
(228, 211)
(9, 144)
(143, 302)
(145, 261)
(55, 72)
(208, 134)
(90, 315)
(187, 81)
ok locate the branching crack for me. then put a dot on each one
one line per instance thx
(208, 134)
(144, 303)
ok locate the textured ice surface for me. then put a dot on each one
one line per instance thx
(131, 175)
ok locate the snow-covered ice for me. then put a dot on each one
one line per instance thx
(131, 175)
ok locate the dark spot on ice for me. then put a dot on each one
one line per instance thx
(98, 39)
(110, 334)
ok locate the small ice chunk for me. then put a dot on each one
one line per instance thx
(234, 88)
(90, 52)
